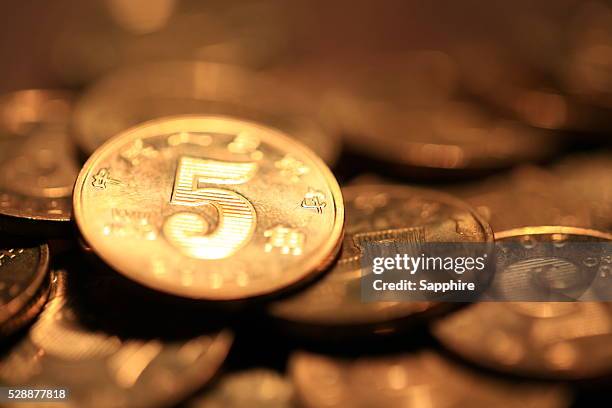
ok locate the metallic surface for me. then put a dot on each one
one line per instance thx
(589, 178)
(23, 268)
(209, 208)
(423, 379)
(566, 340)
(65, 349)
(456, 135)
(530, 195)
(134, 95)
(253, 388)
(380, 212)
(37, 167)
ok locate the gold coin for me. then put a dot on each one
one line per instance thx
(23, 271)
(209, 207)
(452, 136)
(37, 165)
(588, 178)
(252, 388)
(530, 195)
(135, 95)
(423, 379)
(568, 340)
(68, 347)
(518, 90)
(379, 213)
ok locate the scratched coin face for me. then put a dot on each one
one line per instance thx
(379, 213)
(209, 208)
(65, 349)
(37, 168)
(254, 388)
(131, 96)
(543, 339)
(23, 269)
(425, 379)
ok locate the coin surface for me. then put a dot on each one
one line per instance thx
(530, 195)
(518, 89)
(253, 388)
(114, 34)
(209, 207)
(455, 135)
(23, 269)
(151, 91)
(542, 339)
(589, 178)
(65, 349)
(424, 379)
(37, 165)
(379, 213)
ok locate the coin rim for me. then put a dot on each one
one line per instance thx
(15, 305)
(552, 229)
(314, 265)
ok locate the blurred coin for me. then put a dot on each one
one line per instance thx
(37, 164)
(585, 71)
(209, 208)
(146, 92)
(417, 78)
(66, 349)
(253, 388)
(527, 196)
(378, 213)
(588, 177)
(567, 340)
(454, 136)
(117, 33)
(424, 379)
(498, 77)
(23, 271)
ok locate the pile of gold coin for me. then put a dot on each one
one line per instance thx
(183, 215)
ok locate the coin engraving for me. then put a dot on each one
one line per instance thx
(236, 218)
(102, 178)
(218, 228)
(291, 168)
(288, 240)
(314, 200)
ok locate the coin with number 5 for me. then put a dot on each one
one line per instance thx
(209, 207)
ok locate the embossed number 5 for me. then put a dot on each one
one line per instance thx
(190, 231)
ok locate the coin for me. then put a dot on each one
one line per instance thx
(420, 78)
(37, 166)
(146, 92)
(584, 71)
(253, 388)
(519, 90)
(378, 212)
(454, 136)
(114, 34)
(528, 195)
(210, 208)
(23, 269)
(66, 349)
(423, 379)
(37, 169)
(566, 340)
(588, 177)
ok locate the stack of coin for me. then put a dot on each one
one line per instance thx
(172, 234)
